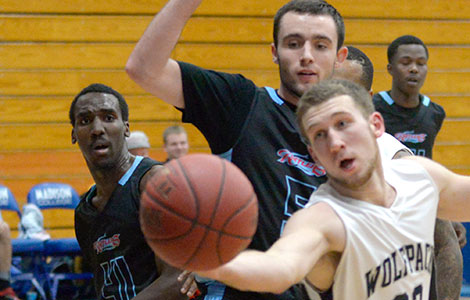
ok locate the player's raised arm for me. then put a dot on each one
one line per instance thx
(454, 191)
(150, 64)
(309, 234)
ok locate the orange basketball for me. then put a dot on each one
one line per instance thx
(198, 212)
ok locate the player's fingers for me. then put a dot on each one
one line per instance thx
(193, 291)
(183, 275)
(188, 278)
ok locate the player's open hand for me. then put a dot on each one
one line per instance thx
(189, 284)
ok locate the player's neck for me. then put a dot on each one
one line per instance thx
(288, 96)
(375, 190)
(403, 99)
(106, 179)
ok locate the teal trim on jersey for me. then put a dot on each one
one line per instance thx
(390, 101)
(386, 97)
(426, 100)
(129, 172)
(272, 93)
(226, 155)
(91, 194)
(215, 291)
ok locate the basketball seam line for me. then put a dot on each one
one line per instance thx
(196, 250)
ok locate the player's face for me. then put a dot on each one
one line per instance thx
(343, 141)
(306, 52)
(409, 68)
(176, 145)
(100, 130)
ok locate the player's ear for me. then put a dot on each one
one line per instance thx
(274, 54)
(127, 133)
(389, 69)
(341, 56)
(377, 124)
(74, 138)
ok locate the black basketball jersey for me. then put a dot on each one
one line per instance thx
(112, 241)
(417, 128)
(257, 130)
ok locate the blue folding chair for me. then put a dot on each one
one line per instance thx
(22, 248)
(58, 196)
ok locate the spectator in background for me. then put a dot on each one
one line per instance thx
(175, 141)
(6, 292)
(138, 143)
(415, 121)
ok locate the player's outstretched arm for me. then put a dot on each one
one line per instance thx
(150, 64)
(309, 234)
(454, 191)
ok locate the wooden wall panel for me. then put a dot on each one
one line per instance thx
(421, 9)
(45, 83)
(51, 49)
(212, 56)
(90, 28)
(57, 136)
(38, 109)
(36, 137)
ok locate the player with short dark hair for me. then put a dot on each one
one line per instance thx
(404, 40)
(415, 120)
(107, 218)
(357, 67)
(253, 127)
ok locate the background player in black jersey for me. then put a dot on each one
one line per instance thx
(415, 121)
(358, 68)
(107, 218)
(253, 127)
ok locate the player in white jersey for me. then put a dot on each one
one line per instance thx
(368, 231)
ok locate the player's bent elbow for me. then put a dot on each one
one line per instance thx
(134, 70)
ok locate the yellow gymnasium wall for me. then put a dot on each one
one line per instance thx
(51, 49)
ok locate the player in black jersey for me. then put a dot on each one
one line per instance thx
(415, 121)
(253, 127)
(107, 219)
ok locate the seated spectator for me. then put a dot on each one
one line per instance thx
(6, 292)
(175, 140)
(138, 143)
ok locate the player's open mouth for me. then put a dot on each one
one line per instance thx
(100, 147)
(346, 164)
(412, 80)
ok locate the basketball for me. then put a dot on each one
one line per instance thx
(198, 212)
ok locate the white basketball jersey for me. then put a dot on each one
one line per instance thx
(389, 251)
(389, 146)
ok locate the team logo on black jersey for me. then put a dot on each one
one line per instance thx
(410, 137)
(106, 244)
(298, 161)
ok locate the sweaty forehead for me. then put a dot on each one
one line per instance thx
(97, 101)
